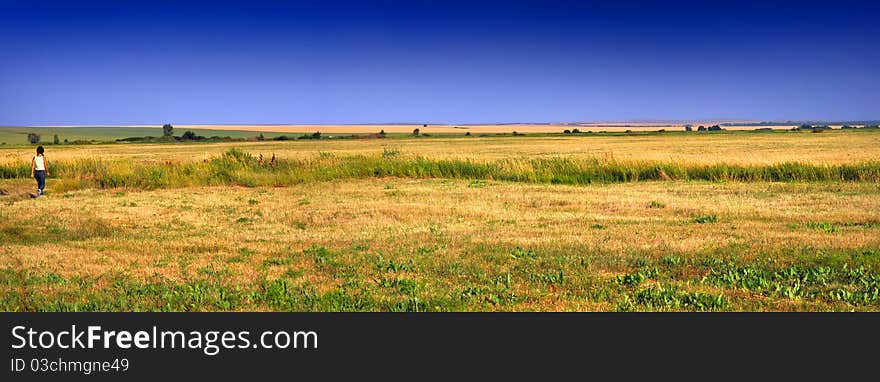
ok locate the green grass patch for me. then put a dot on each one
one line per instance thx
(240, 168)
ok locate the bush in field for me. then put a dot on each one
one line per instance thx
(416, 132)
(167, 130)
(656, 204)
(705, 219)
(33, 138)
(566, 131)
(55, 140)
(190, 136)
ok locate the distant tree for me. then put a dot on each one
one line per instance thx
(188, 136)
(416, 132)
(872, 126)
(715, 128)
(805, 126)
(65, 141)
(33, 138)
(688, 128)
(55, 140)
(467, 134)
(425, 125)
(261, 137)
(566, 131)
(316, 135)
(382, 133)
(167, 130)
(701, 128)
(575, 131)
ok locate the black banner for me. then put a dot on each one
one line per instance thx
(404, 346)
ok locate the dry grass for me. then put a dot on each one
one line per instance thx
(395, 244)
(830, 147)
(448, 245)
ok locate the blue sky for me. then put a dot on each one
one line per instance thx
(130, 62)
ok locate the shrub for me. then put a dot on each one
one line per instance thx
(167, 130)
(55, 140)
(656, 204)
(190, 136)
(706, 219)
(33, 138)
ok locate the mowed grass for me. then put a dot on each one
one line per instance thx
(448, 225)
(392, 244)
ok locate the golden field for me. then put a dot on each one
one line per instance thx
(473, 129)
(391, 243)
(831, 147)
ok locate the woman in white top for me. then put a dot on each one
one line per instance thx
(40, 170)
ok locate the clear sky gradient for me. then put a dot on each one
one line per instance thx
(323, 62)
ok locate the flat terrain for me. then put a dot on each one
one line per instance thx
(418, 242)
(12, 135)
(746, 148)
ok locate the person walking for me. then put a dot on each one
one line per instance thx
(40, 170)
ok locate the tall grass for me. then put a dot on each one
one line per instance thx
(236, 167)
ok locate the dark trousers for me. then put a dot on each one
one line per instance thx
(40, 176)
